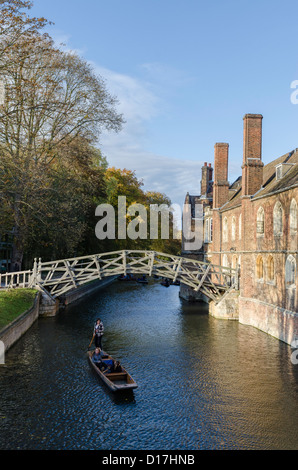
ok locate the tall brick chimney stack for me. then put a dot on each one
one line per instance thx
(207, 173)
(221, 184)
(252, 169)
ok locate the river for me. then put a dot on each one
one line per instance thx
(203, 383)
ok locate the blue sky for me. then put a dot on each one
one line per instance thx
(185, 73)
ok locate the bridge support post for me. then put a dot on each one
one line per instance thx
(34, 274)
(190, 295)
(48, 307)
(227, 308)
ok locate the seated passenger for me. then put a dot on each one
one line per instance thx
(108, 367)
(97, 357)
(117, 366)
(112, 366)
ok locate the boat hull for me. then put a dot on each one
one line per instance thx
(116, 381)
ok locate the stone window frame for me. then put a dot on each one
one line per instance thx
(278, 213)
(293, 217)
(240, 226)
(261, 222)
(270, 269)
(211, 229)
(206, 231)
(260, 269)
(290, 272)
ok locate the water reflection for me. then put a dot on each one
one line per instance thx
(203, 383)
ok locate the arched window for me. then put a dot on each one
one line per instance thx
(270, 268)
(278, 219)
(233, 229)
(291, 271)
(225, 230)
(293, 216)
(260, 222)
(240, 226)
(208, 230)
(260, 268)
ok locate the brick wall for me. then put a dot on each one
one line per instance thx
(252, 169)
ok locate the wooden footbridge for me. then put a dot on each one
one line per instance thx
(55, 278)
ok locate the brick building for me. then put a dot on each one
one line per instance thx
(253, 224)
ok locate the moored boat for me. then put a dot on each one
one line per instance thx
(142, 280)
(116, 381)
(126, 278)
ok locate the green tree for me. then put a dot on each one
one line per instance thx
(76, 187)
(52, 98)
(123, 182)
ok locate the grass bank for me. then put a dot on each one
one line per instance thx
(14, 302)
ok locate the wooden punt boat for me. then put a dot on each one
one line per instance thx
(116, 381)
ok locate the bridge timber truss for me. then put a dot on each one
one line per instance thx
(58, 277)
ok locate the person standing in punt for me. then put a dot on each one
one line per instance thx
(98, 333)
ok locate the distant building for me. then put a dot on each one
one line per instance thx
(253, 224)
(5, 253)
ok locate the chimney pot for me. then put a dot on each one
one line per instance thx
(221, 184)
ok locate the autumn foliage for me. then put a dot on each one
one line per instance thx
(52, 173)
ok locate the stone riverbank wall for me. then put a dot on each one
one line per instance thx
(45, 307)
(11, 333)
(50, 308)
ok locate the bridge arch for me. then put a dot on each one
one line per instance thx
(58, 277)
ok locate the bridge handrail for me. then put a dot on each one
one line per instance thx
(121, 252)
(18, 275)
(60, 276)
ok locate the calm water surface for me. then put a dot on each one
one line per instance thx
(203, 383)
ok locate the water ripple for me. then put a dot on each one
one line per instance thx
(203, 383)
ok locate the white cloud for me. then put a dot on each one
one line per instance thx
(139, 104)
(167, 175)
(136, 100)
(140, 101)
(162, 75)
(62, 40)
